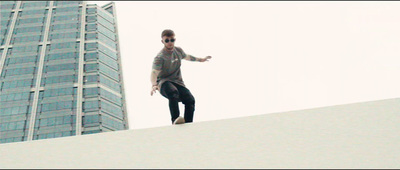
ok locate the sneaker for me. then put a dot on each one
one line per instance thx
(179, 120)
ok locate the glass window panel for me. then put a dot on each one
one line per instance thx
(91, 18)
(111, 108)
(42, 136)
(67, 119)
(110, 83)
(32, 29)
(112, 122)
(90, 46)
(110, 10)
(91, 10)
(106, 16)
(91, 92)
(64, 45)
(43, 122)
(5, 15)
(65, 3)
(61, 67)
(36, 123)
(91, 119)
(66, 26)
(111, 96)
(30, 20)
(60, 56)
(50, 135)
(14, 97)
(25, 39)
(7, 6)
(91, 56)
(59, 120)
(91, 67)
(12, 126)
(67, 9)
(108, 52)
(3, 126)
(106, 23)
(91, 27)
(57, 134)
(33, 12)
(56, 106)
(106, 32)
(91, 36)
(59, 79)
(90, 79)
(108, 71)
(107, 41)
(58, 92)
(31, 4)
(17, 84)
(64, 35)
(51, 121)
(62, 18)
(91, 105)
(20, 125)
(18, 71)
(108, 61)
(30, 48)
(20, 60)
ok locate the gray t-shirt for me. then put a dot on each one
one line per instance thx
(170, 65)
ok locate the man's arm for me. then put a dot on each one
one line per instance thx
(153, 79)
(192, 58)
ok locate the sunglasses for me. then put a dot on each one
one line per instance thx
(167, 40)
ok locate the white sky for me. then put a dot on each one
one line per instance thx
(267, 56)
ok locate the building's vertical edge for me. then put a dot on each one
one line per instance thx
(119, 63)
(79, 95)
(9, 35)
(40, 72)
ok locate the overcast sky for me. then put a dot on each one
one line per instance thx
(268, 57)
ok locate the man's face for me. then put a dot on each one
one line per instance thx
(169, 42)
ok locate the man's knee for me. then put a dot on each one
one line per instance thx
(188, 100)
(173, 95)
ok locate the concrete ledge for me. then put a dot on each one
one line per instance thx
(360, 135)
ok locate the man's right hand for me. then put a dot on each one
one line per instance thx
(153, 79)
(154, 89)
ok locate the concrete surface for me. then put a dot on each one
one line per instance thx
(360, 135)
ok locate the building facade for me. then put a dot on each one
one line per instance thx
(60, 70)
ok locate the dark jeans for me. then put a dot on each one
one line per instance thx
(176, 93)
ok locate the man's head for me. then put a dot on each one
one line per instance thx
(168, 39)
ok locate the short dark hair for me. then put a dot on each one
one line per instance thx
(167, 33)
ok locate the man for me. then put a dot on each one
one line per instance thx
(166, 77)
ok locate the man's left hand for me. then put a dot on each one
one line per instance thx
(205, 59)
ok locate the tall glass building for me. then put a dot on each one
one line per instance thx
(60, 70)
